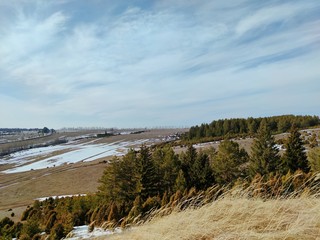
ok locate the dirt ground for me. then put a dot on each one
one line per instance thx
(18, 190)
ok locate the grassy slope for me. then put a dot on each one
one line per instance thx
(237, 218)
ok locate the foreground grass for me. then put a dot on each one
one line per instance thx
(232, 217)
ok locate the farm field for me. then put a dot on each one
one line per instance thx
(64, 169)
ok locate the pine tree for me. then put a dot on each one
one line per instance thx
(187, 160)
(201, 172)
(167, 167)
(180, 184)
(229, 162)
(295, 157)
(264, 153)
(109, 182)
(150, 180)
(120, 182)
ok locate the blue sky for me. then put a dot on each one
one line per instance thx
(70, 63)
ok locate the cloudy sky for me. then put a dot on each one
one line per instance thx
(143, 63)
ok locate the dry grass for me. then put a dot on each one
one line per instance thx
(234, 215)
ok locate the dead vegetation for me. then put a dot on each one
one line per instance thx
(236, 214)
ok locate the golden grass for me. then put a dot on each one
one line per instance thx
(235, 216)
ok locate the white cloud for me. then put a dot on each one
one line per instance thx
(268, 15)
(144, 65)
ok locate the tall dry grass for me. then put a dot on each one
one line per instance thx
(236, 214)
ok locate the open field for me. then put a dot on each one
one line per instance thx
(78, 166)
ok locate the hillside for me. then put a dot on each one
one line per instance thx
(236, 217)
(278, 189)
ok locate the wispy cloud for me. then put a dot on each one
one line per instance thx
(106, 63)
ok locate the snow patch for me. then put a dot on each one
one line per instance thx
(82, 152)
(82, 232)
(60, 196)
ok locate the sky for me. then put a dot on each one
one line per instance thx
(156, 63)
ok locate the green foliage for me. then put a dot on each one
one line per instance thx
(240, 126)
(167, 167)
(201, 172)
(265, 157)
(57, 232)
(150, 178)
(26, 213)
(136, 209)
(187, 160)
(30, 228)
(151, 203)
(50, 222)
(295, 157)
(6, 228)
(228, 165)
(121, 180)
(180, 183)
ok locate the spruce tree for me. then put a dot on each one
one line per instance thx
(180, 184)
(150, 180)
(167, 166)
(264, 152)
(120, 182)
(187, 160)
(229, 162)
(201, 172)
(295, 156)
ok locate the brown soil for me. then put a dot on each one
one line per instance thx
(18, 190)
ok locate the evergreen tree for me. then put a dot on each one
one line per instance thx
(109, 182)
(150, 180)
(167, 167)
(120, 182)
(264, 153)
(187, 160)
(201, 172)
(295, 157)
(180, 184)
(229, 162)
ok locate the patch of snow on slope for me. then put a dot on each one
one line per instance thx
(81, 232)
(60, 196)
(22, 157)
(77, 153)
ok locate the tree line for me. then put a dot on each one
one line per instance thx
(241, 126)
(151, 178)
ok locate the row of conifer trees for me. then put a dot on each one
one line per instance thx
(249, 126)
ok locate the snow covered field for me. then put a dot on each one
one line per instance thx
(58, 155)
